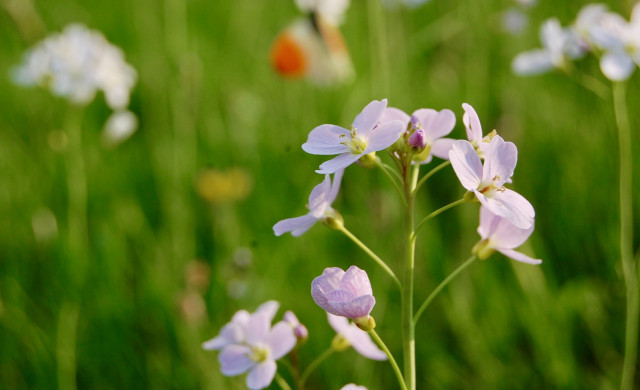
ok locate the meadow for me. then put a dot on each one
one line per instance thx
(179, 217)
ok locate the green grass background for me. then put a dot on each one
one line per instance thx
(206, 97)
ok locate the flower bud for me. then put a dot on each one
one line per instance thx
(299, 330)
(417, 141)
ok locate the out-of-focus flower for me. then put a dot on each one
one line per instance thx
(300, 331)
(347, 294)
(498, 234)
(486, 181)
(197, 275)
(367, 135)
(313, 47)
(434, 125)
(217, 186)
(44, 225)
(514, 20)
(320, 200)
(192, 306)
(618, 39)
(351, 335)
(77, 63)
(560, 45)
(257, 355)
(235, 331)
(352, 386)
(119, 126)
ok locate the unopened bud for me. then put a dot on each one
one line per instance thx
(366, 323)
(417, 141)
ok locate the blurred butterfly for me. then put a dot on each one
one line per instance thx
(312, 47)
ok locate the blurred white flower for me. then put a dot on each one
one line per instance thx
(120, 126)
(559, 45)
(514, 20)
(76, 64)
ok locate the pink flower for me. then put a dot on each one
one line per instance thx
(474, 130)
(366, 136)
(498, 234)
(428, 126)
(300, 331)
(320, 200)
(235, 331)
(486, 181)
(357, 338)
(347, 294)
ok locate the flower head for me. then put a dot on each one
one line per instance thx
(355, 337)
(486, 181)
(366, 135)
(250, 344)
(347, 294)
(320, 200)
(498, 234)
(425, 128)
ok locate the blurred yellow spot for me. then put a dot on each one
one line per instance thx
(224, 186)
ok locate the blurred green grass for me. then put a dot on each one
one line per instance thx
(206, 97)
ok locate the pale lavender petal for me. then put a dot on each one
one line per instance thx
(635, 15)
(290, 318)
(384, 136)
(335, 186)
(325, 140)
(338, 295)
(235, 359)
(521, 257)
(356, 281)
(471, 123)
(441, 147)
(281, 340)
(269, 308)
(392, 113)
(617, 66)
(261, 375)
(511, 205)
(466, 163)
(532, 62)
(297, 226)
(319, 197)
(325, 283)
(355, 308)
(339, 162)
(367, 119)
(352, 386)
(258, 328)
(339, 324)
(436, 124)
(229, 334)
(361, 342)
(500, 161)
(503, 234)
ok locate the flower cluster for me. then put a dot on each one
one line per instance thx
(75, 65)
(596, 30)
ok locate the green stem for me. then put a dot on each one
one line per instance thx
(314, 364)
(431, 173)
(394, 365)
(442, 285)
(386, 169)
(408, 328)
(281, 382)
(626, 235)
(371, 254)
(438, 211)
(590, 83)
(66, 335)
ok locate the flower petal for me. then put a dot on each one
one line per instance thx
(441, 147)
(617, 66)
(234, 360)
(532, 62)
(258, 328)
(355, 308)
(511, 205)
(281, 340)
(471, 123)
(356, 281)
(269, 308)
(325, 140)
(466, 164)
(503, 234)
(436, 124)
(500, 161)
(391, 113)
(335, 186)
(367, 119)
(521, 257)
(297, 226)
(361, 342)
(339, 162)
(338, 323)
(261, 375)
(319, 197)
(325, 283)
(384, 136)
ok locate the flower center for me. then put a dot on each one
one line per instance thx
(357, 144)
(491, 188)
(260, 353)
